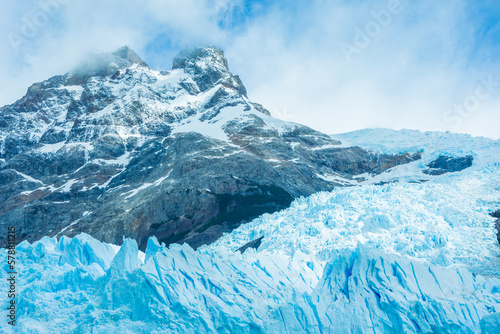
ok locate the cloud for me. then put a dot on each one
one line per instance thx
(416, 67)
(48, 37)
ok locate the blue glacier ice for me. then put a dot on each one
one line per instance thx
(363, 291)
(401, 257)
(179, 290)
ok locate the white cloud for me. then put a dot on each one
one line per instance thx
(407, 76)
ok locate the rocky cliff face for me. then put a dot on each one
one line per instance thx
(116, 149)
(444, 164)
(496, 214)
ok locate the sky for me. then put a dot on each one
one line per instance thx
(334, 65)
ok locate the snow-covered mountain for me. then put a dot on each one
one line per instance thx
(114, 148)
(405, 257)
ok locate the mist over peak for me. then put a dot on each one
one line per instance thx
(105, 64)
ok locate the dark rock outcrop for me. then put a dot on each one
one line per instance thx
(444, 164)
(251, 244)
(496, 214)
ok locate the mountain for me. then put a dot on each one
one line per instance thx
(401, 257)
(114, 148)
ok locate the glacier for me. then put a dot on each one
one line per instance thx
(405, 257)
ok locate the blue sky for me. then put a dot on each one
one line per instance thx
(334, 65)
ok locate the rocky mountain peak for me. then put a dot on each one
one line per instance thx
(128, 56)
(202, 56)
(208, 67)
(105, 64)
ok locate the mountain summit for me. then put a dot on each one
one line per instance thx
(208, 67)
(104, 64)
(117, 149)
(201, 57)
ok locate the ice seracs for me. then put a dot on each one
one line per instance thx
(365, 291)
(180, 290)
